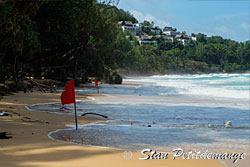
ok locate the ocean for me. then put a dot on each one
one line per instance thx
(164, 112)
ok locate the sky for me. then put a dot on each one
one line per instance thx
(227, 18)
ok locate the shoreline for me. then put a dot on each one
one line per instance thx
(30, 145)
(160, 74)
(219, 146)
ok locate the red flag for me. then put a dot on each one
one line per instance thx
(68, 95)
(96, 83)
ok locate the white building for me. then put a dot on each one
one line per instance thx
(144, 39)
(193, 38)
(170, 31)
(134, 29)
(182, 38)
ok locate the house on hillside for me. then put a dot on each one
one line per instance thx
(168, 39)
(182, 38)
(134, 29)
(193, 38)
(145, 39)
(155, 30)
(170, 31)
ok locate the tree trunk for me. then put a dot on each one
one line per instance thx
(75, 77)
(14, 69)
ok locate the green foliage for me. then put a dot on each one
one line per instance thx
(82, 38)
(147, 23)
(207, 55)
(125, 16)
(115, 78)
(146, 27)
(18, 37)
(201, 38)
(59, 40)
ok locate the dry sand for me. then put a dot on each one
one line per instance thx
(31, 147)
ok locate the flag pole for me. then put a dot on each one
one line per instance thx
(75, 108)
(75, 115)
(97, 89)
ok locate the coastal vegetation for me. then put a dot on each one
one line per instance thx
(78, 39)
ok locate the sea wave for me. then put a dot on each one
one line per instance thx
(212, 85)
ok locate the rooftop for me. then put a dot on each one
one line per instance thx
(126, 23)
(181, 36)
(169, 29)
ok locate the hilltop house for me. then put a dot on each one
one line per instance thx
(155, 30)
(169, 34)
(134, 29)
(145, 39)
(193, 38)
(170, 31)
(182, 38)
(168, 39)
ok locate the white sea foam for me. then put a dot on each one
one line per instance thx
(191, 89)
(212, 85)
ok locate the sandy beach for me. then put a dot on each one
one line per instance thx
(124, 83)
(31, 147)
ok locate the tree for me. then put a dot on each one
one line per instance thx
(202, 38)
(19, 38)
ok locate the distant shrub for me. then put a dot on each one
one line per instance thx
(115, 78)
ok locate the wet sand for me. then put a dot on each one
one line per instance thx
(31, 147)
